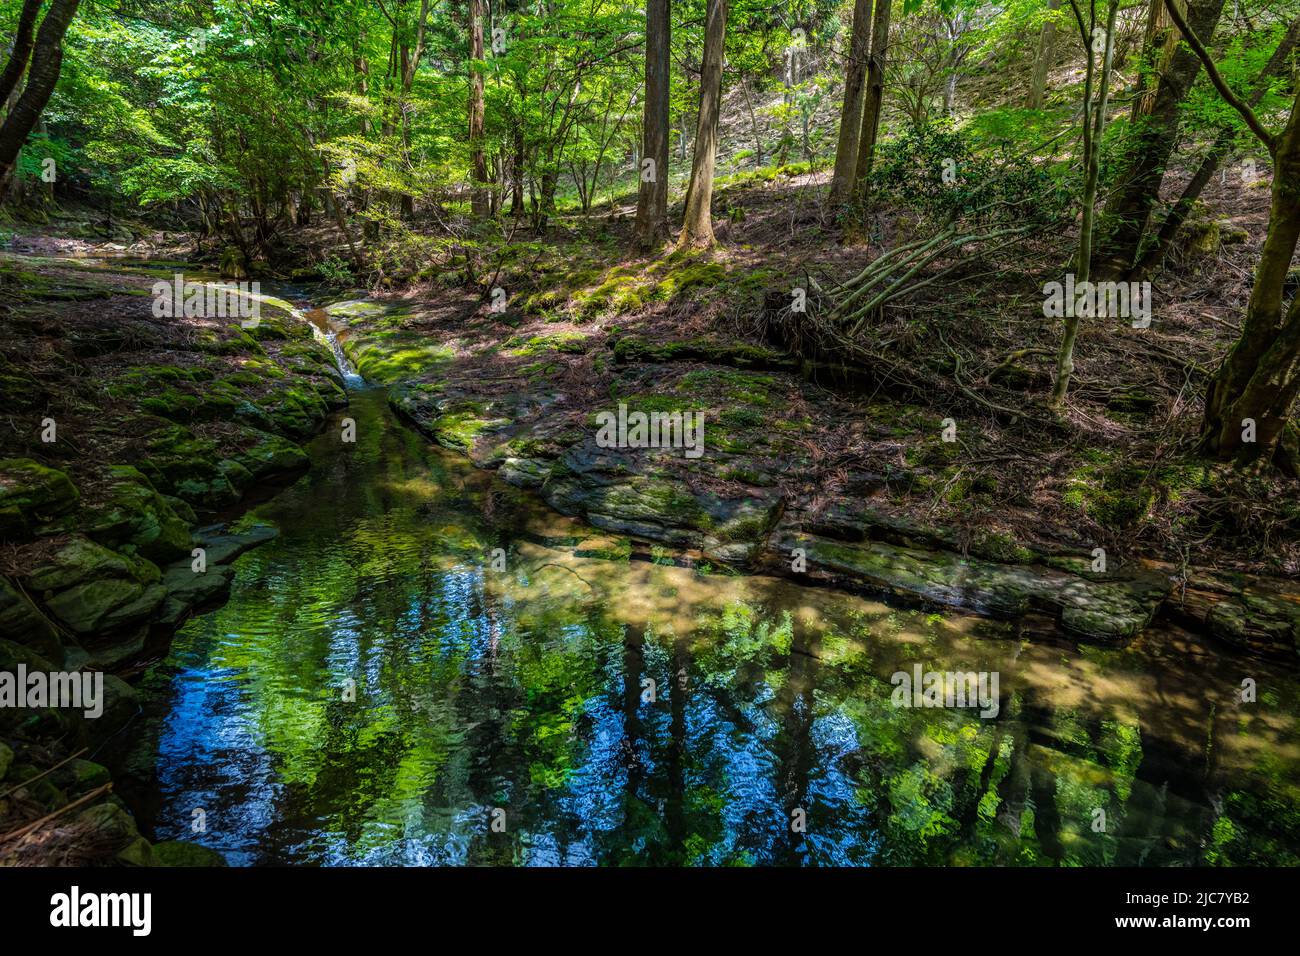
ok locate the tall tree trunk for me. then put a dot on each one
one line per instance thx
(47, 59)
(855, 69)
(1155, 127)
(478, 195)
(1094, 125)
(697, 225)
(875, 97)
(1260, 376)
(652, 197)
(1043, 58)
(21, 50)
(1176, 216)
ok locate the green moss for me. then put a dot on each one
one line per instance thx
(388, 357)
(692, 275)
(573, 343)
(1001, 547)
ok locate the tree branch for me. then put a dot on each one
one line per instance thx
(1231, 98)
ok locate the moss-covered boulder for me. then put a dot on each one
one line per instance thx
(180, 463)
(31, 493)
(21, 620)
(264, 455)
(296, 410)
(90, 588)
(136, 514)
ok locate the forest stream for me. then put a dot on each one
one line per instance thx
(384, 687)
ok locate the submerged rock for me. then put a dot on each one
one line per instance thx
(181, 853)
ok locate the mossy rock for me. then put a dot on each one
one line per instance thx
(692, 275)
(393, 356)
(136, 514)
(81, 560)
(297, 411)
(21, 620)
(89, 587)
(180, 463)
(1109, 610)
(30, 493)
(573, 343)
(736, 354)
(182, 853)
(264, 455)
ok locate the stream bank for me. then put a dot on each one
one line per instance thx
(131, 442)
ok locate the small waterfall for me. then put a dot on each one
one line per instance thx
(318, 320)
(349, 373)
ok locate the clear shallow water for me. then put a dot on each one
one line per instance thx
(519, 697)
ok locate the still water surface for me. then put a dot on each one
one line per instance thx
(581, 708)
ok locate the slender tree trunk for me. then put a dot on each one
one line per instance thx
(1155, 124)
(697, 226)
(652, 197)
(478, 195)
(46, 61)
(855, 69)
(875, 96)
(1094, 125)
(517, 173)
(1043, 59)
(753, 124)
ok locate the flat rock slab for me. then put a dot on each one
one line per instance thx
(222, 548)
(1106, 609)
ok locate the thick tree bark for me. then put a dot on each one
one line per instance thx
(697, 225)
(47, 59)
(478, 195)
(855, 72)
(1043, 58)
(652, 197)
(1260, 377)
(875, 97)
(1155, 122)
